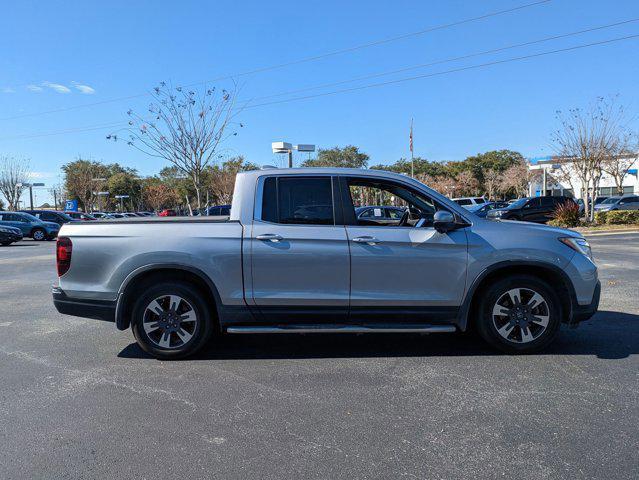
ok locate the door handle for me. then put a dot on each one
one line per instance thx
(366, 239)
(270, 237)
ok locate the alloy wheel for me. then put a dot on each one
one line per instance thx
(38, 235)
(169, 321)
(521, 315)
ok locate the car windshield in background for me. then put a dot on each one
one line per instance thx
(518, 203)
(610, 200)
(29, 217)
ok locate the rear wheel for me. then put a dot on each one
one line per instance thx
(39, 234)
(6, 244)
(519, 314)
(171, 320)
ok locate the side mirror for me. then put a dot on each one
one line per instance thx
(443, 221)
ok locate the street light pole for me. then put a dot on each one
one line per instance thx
(285, 147)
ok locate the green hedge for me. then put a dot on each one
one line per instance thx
(617, 217)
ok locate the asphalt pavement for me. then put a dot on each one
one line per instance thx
(79, 399)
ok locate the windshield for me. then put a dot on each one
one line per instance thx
(610, 200)
(518, 203)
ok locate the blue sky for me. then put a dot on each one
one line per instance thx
(60, 54)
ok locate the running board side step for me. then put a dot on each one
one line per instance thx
(343, 329)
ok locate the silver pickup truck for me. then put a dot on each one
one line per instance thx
(293, 256)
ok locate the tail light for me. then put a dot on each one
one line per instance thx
(63, 251)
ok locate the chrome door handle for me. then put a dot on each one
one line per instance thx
(366, 239)
(270, 237)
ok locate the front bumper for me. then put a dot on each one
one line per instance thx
(581, 313)
(10, 238)
(81, 307)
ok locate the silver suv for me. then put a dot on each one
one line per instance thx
(293, 256)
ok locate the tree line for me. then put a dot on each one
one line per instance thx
(85, 179)
(495, 174)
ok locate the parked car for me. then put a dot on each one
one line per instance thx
(482, 210)
(29, 225)
(625, 202)
(102, 215)
(263, 270)
(582, 205)
(167, 212)
(469, 201)
(50, 216)
(80, 216)
(9, 235)
(529, 209)
(219, 210)
(382, 215)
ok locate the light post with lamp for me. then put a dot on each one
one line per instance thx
(30, 187)
(287, 148)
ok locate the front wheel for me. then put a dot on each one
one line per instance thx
(171, 320)
(519, 314)
(39, 234)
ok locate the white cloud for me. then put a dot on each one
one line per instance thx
(41, 174)
(57, 87)
(34, 88)
(87, 90)
(8, 90)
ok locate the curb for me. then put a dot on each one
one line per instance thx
(595, 233)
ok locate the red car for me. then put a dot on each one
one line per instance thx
(167, 212)
(80, 215)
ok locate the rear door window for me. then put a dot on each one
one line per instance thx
(303, 201)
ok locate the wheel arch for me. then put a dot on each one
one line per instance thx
(551, 274)
(142, 275)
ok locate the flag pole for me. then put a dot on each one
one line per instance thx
(412, 158)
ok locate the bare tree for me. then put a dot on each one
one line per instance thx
(13, 172)
(58, 194)
(587, 138)
(492, 182)
(222, 178)
(565, 175)
(617, 167)
(466, 183)
(516, 178)
(184, 127)
(158, 196)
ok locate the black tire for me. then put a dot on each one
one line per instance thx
(38, 234)
(6, 244)
(487, 323)
(193, 298)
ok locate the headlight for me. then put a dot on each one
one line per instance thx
(6, 230)
(578, 244)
